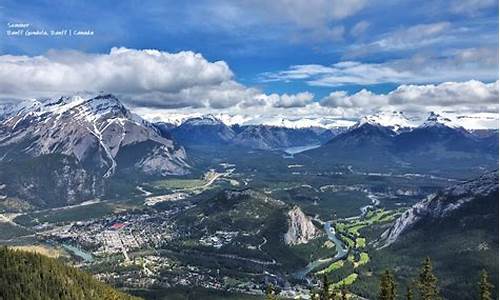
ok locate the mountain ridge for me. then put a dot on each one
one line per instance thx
(91, 129)
(442, 204)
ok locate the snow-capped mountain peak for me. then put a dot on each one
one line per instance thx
(395, 120)
(78, 106)
(437, 120)
(208, 119)
(211, 118)
(305, 122)
(90, 129)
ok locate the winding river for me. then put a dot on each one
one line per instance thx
(339, 246)
(291, 151)
(374, 203)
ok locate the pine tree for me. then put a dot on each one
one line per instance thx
(336, 294)
(343, 293)
(409, 292)
(427, 282)
(485, 287)
(270, 293)
(325, 289)
(387, 287)
(314, 295)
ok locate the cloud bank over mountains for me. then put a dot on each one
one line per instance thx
(149, 78)
(154, 82)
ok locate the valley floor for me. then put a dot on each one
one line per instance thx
(164, 236)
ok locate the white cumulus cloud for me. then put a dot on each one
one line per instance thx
(465, 97)
(141, 77)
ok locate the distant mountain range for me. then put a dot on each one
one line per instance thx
(434, 144)
(74, 144)
(101, 130)
(474, 121)
(208, 130)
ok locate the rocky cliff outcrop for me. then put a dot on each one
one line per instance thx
(300, 228)
(440, 205)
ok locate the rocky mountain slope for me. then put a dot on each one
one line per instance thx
(93, 130)
(456, 227)
(60, 151)
(47, 181)
(443, 204)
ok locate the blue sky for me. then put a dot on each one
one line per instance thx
(282, 47)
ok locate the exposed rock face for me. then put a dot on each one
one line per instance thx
(300, 228)
(440, 205)
(92, 130)
(206, 130)
(49, 181)
(269, 138)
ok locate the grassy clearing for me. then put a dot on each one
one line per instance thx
(364, 258)
(176, 184)
(351, 258)
(350, 243)
(382, 216)
(183, 184)
(389, 218)
(372, 217)
(360, 243)
(354, 230)
(332, 267)
(346, 281)
(39, 249)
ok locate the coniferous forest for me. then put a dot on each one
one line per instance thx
(424, 287)
(27, 276)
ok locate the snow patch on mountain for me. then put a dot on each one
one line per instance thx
(308, 122)
(276, 121)
(94, 129)
(203, 120)
(395, 120)
(437, 120)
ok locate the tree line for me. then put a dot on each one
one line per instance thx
(424, 287)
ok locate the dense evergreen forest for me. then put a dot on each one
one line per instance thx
(26, 276)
